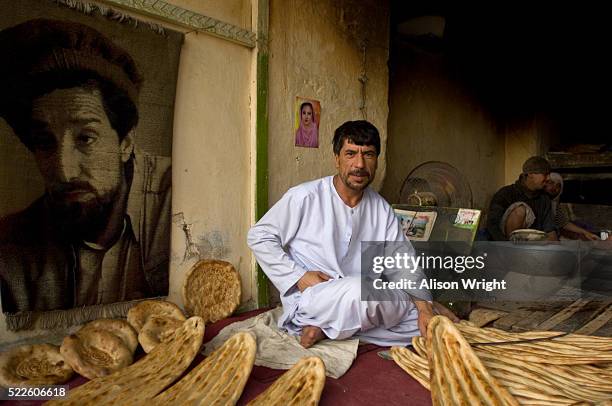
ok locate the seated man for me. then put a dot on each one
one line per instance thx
(309, 245)
(523, 204)
(554, 188)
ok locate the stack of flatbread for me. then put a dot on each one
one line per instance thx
(549, 371)
(100, 348)
(33, 365)
(154, 321)
(143, 380)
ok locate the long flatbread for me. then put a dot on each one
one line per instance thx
(413, 364)
(300, 386)
(219, 379)
(457, 376)
(533, 383)
(147, 377)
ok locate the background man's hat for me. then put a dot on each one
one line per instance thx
(43, 46)
(536, 164)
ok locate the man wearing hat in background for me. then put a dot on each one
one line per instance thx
(523, 204)
(554, 189)
(100, 233)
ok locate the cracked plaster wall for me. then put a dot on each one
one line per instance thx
(211, 202)
(317, 51)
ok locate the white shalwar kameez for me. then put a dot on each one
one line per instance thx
(312, 229)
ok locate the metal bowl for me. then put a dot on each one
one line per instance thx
(527, 234)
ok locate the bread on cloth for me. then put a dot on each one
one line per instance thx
(100, 348)
(157, 329)
(140, 382)
(33, 365)
(139, 314)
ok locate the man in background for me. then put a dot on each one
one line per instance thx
(554, 189)
(524, 204)
(100, 233)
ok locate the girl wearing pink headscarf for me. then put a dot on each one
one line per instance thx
(307, 135)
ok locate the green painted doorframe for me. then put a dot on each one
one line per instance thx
(261, 136)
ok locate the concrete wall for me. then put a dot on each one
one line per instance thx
(211, 153)
(434, 118)
(521, 143)
(316, 51)
(534, 137)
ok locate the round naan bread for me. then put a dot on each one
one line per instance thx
(157, 330)
(212, 290)
(118, 327)
(100, 348)
(138, 315)
(33, 365)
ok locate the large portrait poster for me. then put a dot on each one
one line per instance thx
(86, 119)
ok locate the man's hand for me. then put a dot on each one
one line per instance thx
(442, 310)
(426, 312)
(311, 278)
(590, 236)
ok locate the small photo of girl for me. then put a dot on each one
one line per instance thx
(307, 118)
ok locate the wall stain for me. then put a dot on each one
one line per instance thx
(213, 245)
(209, 245)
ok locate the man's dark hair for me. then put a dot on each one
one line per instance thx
(119, 108)
(358, 132)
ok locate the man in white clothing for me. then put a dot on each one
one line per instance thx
(309, 245)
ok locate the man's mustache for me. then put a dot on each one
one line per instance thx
(360, 173)
(69, 187)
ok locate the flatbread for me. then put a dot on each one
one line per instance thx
(118, 327)
(33, 365)
(138, 315)
(301, 385)
(530, 382)
(93, 352)
(212, 290)
(219, 379)
(157, 329)
(457, 376)
(141, 381)
(412, 363)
